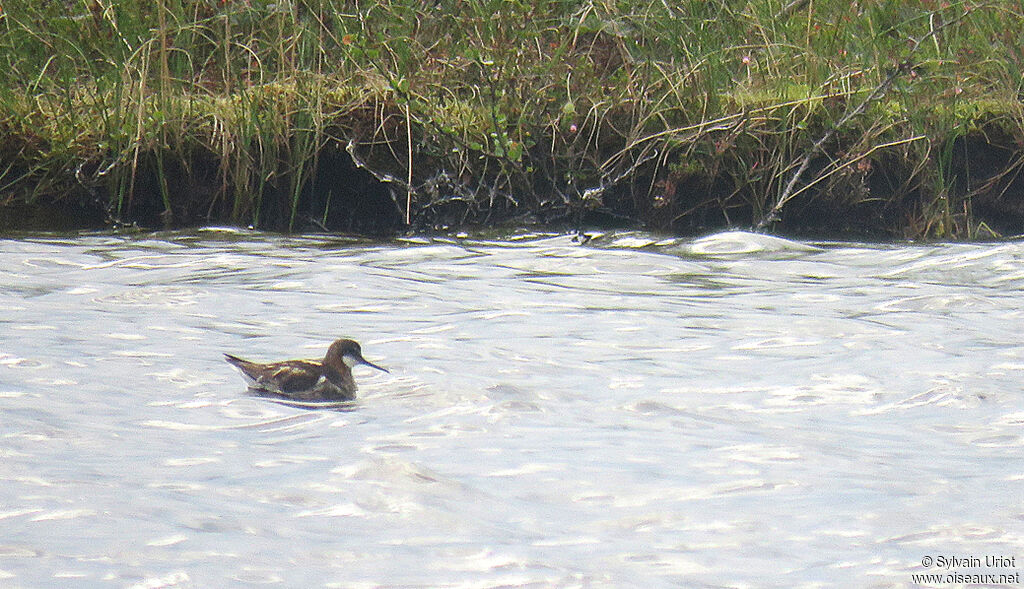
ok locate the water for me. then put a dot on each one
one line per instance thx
(734, 411)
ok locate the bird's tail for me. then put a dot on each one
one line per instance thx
(235, 360)
(250, 371)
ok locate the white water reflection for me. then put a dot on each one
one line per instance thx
(737, 410)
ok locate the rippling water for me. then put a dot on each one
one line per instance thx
(732, 411)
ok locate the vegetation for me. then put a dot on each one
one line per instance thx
(877, 117)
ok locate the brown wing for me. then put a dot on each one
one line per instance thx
(284, 377)
(292, 376)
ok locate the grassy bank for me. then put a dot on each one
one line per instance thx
(889, 118)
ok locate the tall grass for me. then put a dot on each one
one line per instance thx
(678, 115)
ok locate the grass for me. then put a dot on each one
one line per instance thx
(875, 117)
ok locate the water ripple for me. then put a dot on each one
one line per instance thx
(623, 409)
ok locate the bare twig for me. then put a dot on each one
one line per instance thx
(594, 195)
(787, 193)
(860, 157)
(408, 184)
(381, 177)
(879, 91)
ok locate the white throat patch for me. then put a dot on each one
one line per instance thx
(350, 360)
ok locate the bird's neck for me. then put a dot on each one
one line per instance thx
(341, 378)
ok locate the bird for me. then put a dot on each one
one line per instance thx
(308, 380)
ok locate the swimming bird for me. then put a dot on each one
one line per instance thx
(308, 380)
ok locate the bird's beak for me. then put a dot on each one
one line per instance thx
(371, 364)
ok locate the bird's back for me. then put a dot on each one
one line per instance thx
(289, 377)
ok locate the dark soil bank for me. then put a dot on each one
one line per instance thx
(876, 198)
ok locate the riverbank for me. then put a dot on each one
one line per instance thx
(881, 119)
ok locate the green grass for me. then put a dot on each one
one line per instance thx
(676, 115)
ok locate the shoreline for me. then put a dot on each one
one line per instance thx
(840, 119)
